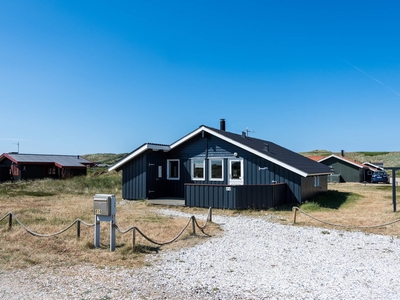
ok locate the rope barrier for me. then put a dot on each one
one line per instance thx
(295, 208)
(44, 235)
(192, 219)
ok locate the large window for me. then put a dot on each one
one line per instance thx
(217, 169)
(198, 169)
(173, 172)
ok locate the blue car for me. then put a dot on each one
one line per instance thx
(380, 177)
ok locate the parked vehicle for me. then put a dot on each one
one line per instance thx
(380, 177)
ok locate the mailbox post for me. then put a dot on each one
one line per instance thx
(104, 210)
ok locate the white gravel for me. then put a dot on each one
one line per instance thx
(253, 259)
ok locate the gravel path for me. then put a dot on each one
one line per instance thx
(254, 259)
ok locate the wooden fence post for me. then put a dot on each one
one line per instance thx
(9, 221)
(209, 214)
(193, 226)
(78, 229)
(294, 214)
(133, 239)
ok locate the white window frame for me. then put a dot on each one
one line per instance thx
(240, 180)
(192, 169)
(210, 169)
(169, 169)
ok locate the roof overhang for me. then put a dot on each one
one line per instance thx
(137, 152)
(244, 147)
(361, 166)
(201, 129)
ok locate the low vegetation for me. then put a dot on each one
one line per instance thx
(48, 206)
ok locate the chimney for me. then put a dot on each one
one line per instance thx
(342, 153)
(222, 124)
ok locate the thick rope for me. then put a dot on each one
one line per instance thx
(193, 219)
(341, 225)
(45, 235)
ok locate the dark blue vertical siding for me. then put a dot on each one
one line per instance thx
(134, 183)
(235, 197)
(138, 179)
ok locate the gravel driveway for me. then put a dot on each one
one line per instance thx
(253, 259)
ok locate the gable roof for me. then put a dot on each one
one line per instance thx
(60, 161)
(345, 159)
(272, 152)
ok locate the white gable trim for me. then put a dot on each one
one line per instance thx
(216, 134)
(137, 152)
(222, 137)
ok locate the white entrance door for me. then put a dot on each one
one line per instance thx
(236, 171)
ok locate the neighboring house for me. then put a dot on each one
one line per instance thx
(15, 166)
(346, 169)
(213, 167)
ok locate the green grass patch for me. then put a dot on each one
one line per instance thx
(330, 200)
(373, 153)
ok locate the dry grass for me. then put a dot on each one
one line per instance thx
(50, 214)
(359, 205)
(368, 205)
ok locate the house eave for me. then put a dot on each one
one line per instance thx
(360, 166)
(137, 152)
(262, 155)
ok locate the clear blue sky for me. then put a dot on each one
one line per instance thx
(80, 77)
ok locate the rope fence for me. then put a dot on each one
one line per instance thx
(295, 209)
(134, 229)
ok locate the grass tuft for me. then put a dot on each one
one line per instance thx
(331, 199)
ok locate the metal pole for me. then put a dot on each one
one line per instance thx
(112, 234)
(394, 189)
(96, 232)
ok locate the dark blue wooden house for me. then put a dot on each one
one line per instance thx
(213, 167)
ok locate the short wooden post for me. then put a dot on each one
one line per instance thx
(209, 215)
(78, 229)
(294, 214)
(133, 239)
(9, 221)
(193, 226)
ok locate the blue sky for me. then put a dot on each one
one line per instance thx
(81, 77)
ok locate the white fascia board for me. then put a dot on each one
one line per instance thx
(342, 159)
(189, 136)
(137, 152)
(251, 150)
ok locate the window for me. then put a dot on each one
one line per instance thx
(236, 171)
(173, 169)
(217, 169)
(198, 168)
(316, 181)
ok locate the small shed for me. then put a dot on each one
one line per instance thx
(214, 167)
(17, 166)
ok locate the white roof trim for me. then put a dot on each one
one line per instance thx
(222, 137)
(251, 150)
(137, 152)
(343, 159)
